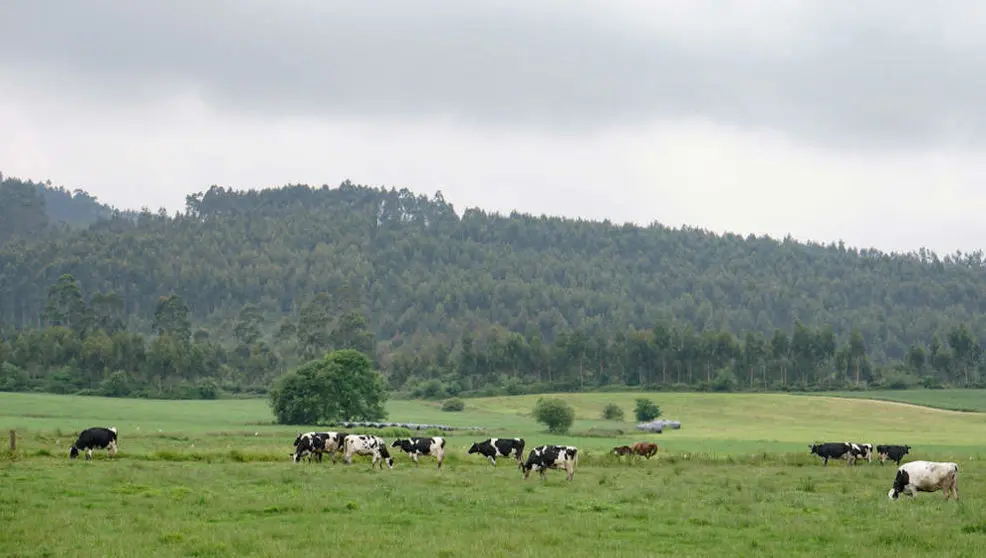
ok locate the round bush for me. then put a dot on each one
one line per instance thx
(647, 410)
(557, 415)
(613, 412)
(453, 405)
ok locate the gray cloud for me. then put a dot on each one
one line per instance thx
(832, 74)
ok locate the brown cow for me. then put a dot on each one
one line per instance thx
(646, 449)
(622, 450)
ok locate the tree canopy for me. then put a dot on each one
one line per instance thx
(243, 286)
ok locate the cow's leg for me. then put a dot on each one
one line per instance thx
(88, 454)
(569, 470)
(112, 449)
(826, 463)
(414, 456)
(492, 459)
(441, 457)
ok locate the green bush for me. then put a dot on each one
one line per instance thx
(453, 405)
(613, 412)
(557, 415)
(646, 410)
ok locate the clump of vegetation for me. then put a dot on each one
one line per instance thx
(557, 415)
(341, 386)
(453, 405)
(612, 411)
(646, 410)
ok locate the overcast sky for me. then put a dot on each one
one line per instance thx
(828, 120)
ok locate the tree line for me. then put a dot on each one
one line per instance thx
(85, 347)
(241, 287)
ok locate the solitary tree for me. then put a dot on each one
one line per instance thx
(646, 410)
(557, 415)
(340, 386)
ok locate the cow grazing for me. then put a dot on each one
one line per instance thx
(863, 451)
(365, 444)
(314, 444)
(834, 450)
(894, 453)
(646, 449)
(500, 447)
(926, 476)
(304, 446)
(622, 450)
(543, 458)
(422, 446)
(96, 437)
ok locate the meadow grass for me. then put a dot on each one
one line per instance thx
(216, 480)
(973, 400)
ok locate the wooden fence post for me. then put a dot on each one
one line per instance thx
(13, 440)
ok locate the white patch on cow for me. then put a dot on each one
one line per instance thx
(112, 429)
(112, 448)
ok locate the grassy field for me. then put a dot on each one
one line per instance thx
(973, 400)
(213, 478)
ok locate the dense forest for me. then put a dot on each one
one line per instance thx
(244, 285)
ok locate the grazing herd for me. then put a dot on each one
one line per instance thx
(643, 449)
(911, 478)
(851, 451)
(541, 458)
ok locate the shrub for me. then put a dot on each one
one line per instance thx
(453, 405)
(646, 410)
(557, 415)
(613, 412)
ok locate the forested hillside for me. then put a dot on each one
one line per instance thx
(476, 301)
(28, 207)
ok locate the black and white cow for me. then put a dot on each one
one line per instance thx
(926, 476)
(543, 458)
(415, 447)
(330, 443)
(365, 444)
(894, 453)
(500, 447)
(304, 446)
(862, 451)
(314, 444)
(834, 450)
(96, 437)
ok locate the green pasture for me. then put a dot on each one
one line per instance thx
(213, 478)
(973, 400)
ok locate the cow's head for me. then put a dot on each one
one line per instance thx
(386, 456)
(474, 448)
(303, 445)
(533, 459)
(900, 482)
(622, 450)
(73, 452)
(401, 443)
